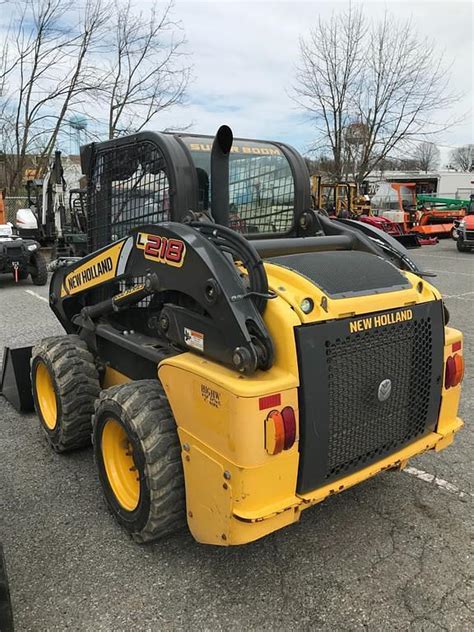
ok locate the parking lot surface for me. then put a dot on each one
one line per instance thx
(393, 553)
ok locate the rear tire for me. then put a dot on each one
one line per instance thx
(6, 613)
(39, 275)
(138, 456)
(65, 384)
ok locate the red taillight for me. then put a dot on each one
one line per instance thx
(454, 371)
(289, 423)
(280, 430)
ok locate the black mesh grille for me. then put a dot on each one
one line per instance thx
(129, 187)
(361, 428)
(345, 423)
(470, 235)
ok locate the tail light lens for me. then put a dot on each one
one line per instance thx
(289, 425)
(454, 371)
(274, 432)
(280, 430)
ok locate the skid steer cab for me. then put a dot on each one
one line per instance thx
(241, 356)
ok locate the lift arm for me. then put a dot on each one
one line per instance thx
(201, 300)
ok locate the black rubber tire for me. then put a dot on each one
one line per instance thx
(6, 613)
(142, 409)
(39, 273)
(460, 245)
(23, 275)
(76, 383)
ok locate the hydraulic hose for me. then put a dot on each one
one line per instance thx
(227, 240)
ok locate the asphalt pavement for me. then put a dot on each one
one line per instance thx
(393, 553)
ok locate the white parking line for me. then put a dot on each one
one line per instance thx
(41, 298)
(438, 257)
(439, 482)
(469, 274)
(458, 295)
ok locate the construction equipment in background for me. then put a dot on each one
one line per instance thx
(340, 201)
(3, 217)
(416, 214)
(236, 377)
(21, 257)
(56, 216)
(465, 229)
(440, 203)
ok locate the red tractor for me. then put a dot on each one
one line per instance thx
(465, 231)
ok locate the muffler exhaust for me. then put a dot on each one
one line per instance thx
(220, 174)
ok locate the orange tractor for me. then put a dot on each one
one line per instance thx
(425, 215)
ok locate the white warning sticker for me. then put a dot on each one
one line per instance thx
(194, 339)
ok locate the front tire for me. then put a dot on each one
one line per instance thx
(460, 245)
(65, 384)
(39, 272)
(138, 456)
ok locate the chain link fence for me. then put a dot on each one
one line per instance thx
(12, 205)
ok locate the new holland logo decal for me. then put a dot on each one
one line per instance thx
(93, 271)
(380, 320)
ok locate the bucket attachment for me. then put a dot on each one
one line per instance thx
(15, 382)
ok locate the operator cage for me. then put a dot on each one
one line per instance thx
(155, 177)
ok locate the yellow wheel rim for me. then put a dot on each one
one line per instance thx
(46, 396)
(119, 465)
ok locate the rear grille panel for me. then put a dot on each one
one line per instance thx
(361, 427)
(343, 425)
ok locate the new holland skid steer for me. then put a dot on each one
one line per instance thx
(236, 356)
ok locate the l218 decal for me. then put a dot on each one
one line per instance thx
(161, 249)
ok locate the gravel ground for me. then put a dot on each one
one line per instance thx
(391, 554)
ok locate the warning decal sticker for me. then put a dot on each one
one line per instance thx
(194, 339)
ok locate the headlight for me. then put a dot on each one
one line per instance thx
(462, 223)
(32, 247)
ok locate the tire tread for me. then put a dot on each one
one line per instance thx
(78, 386)
(146, 409)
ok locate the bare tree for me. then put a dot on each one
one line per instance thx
(463, 158)
(369, 88)
(329, 72)
(427, 156)
(146, 73)
(44, 73)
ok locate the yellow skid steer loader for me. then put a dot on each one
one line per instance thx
(235, 355)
